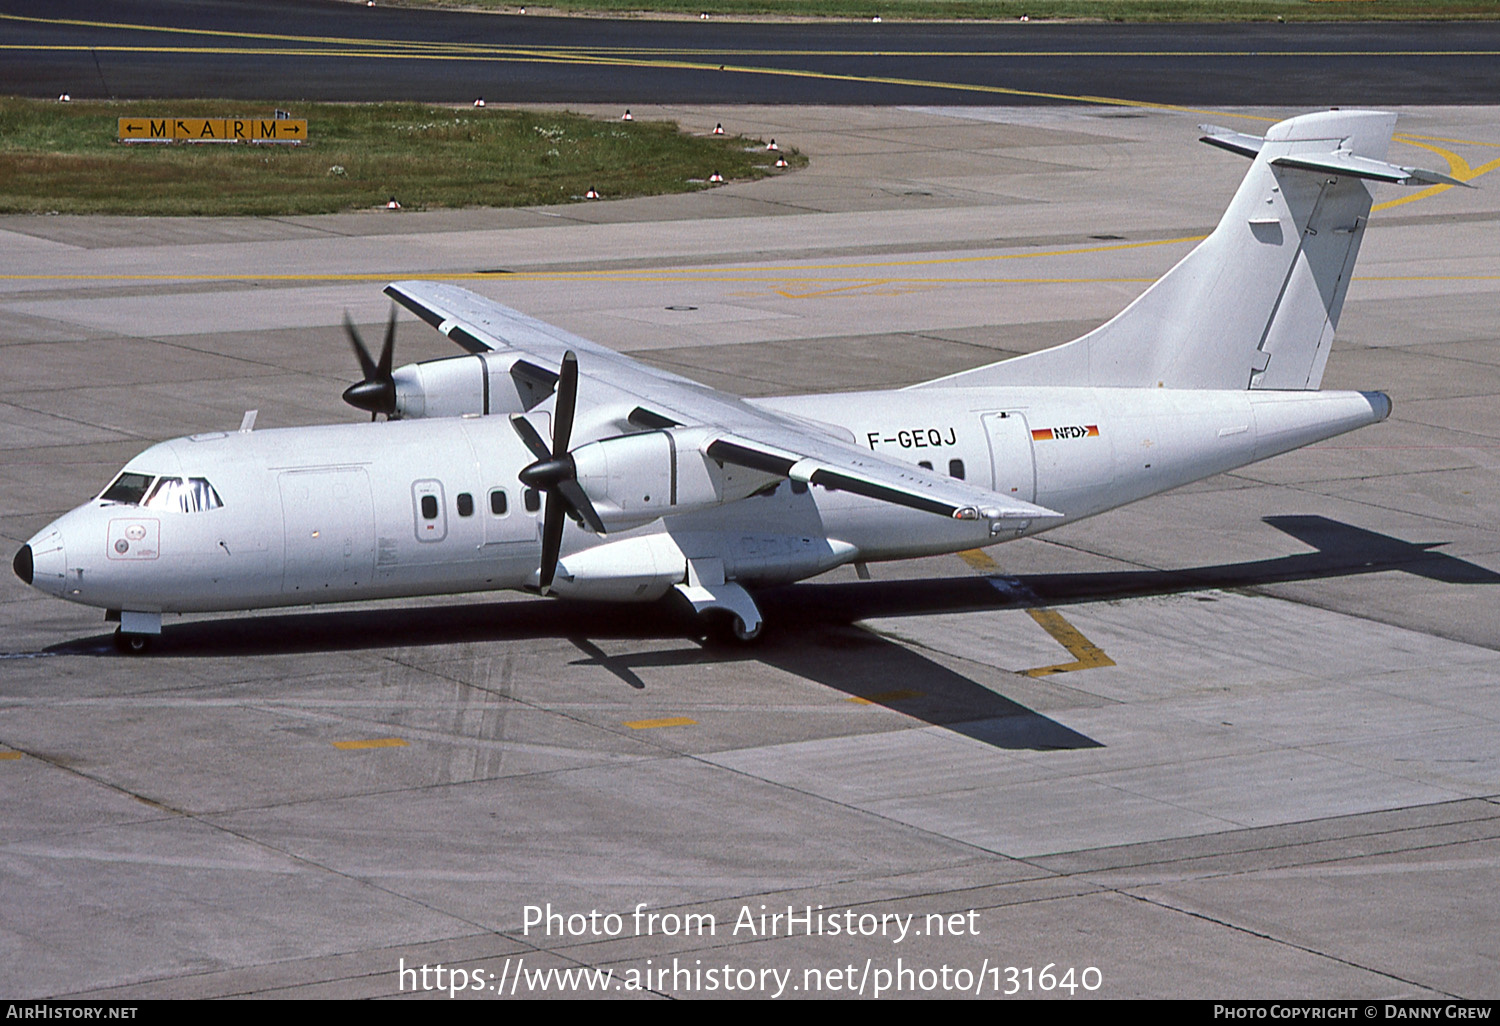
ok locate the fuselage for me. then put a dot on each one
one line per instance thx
(228, 521)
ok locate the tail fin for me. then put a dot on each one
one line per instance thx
(1255, 305)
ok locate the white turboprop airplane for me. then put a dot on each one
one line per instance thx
(607, 479)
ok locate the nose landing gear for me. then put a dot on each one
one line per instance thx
(132, 644)
(136, 630)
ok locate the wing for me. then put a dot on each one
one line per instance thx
(738, 433)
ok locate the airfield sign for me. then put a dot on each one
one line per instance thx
(289, 131)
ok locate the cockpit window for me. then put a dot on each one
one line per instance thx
(190, 496)
(127, 488)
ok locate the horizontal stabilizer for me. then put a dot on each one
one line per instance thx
(1342, 162)
(1229, 139)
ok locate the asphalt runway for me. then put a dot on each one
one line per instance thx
(287, 51)
(1235, 741)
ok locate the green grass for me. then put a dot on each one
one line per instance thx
(1009, 10)
(62, 157)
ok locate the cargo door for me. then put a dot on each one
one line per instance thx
(329, 523)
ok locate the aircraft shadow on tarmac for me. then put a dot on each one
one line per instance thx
(813, 632)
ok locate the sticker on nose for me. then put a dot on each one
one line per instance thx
(134, 539)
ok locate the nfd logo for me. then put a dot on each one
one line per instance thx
(1070, 431)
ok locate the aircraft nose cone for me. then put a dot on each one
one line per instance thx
(42, 562)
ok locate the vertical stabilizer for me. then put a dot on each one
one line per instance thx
(1256, 303)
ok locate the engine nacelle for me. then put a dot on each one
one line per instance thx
(473, 383)
(634, 479)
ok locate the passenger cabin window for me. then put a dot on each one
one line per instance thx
(465, 504)
(956, 469)
(127, 488)
(429, 507)
(532, 500)
(497, 502)
(176, 495)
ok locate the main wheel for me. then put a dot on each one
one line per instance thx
(723, 628)
(741, 633)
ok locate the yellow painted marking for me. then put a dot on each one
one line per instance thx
(1404, 136)
(710, 51)
(980, 560)
(721, 274)
(354, 46)
(1458, 167)
(377, 742)
(666, 721)
(881, 697)
(10, 755)
(1086, 654)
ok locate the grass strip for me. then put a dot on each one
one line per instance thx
(63, 157)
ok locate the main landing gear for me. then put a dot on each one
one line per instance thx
(726, 609)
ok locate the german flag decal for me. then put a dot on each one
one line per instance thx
(1071, 431)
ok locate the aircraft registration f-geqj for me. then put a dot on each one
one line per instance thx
(545, 462)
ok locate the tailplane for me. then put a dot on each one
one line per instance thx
(1256, 303)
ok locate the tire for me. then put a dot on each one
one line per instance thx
(132, 644)
(724, 629)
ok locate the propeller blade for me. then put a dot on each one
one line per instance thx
(388, 349)
(567, 401)
(530, 436)
(376, 391)
(569, 489)
(552, 529)
(361, 353)
(555, 473)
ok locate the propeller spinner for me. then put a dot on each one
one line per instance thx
(555, 473)
(377, 392)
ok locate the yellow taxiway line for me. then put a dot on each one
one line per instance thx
(1086, 655)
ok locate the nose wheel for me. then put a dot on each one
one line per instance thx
(132, 644)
